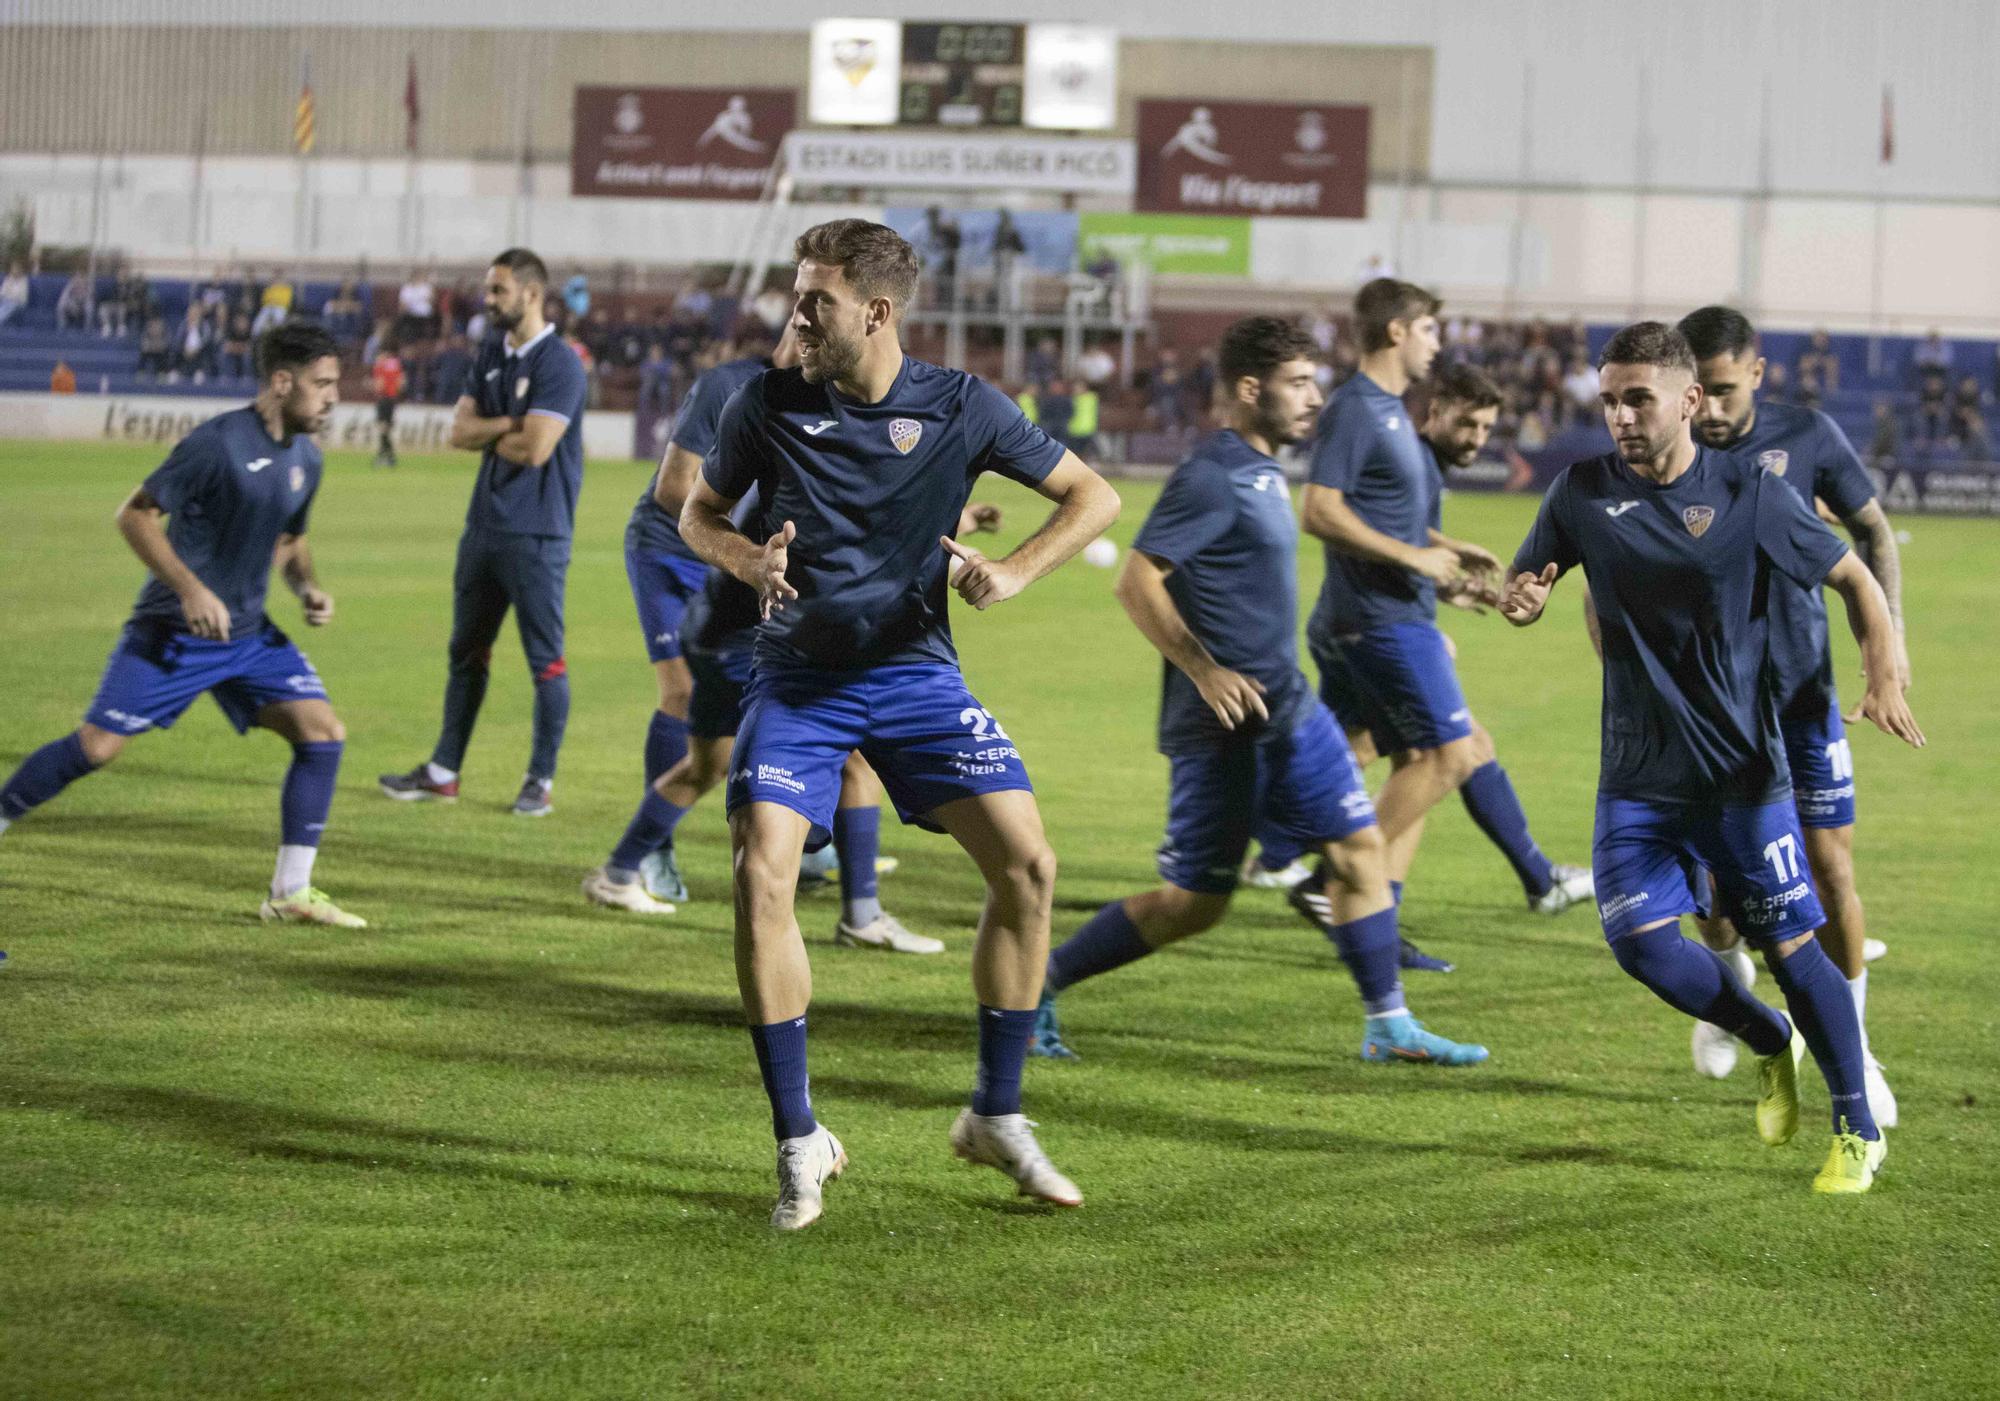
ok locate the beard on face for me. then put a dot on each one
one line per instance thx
(1278, 427)
(1718, 435)
(832, 359)
(505, 320)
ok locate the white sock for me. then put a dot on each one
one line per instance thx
(1859, 987)
(5, 823)
(295, 868)
(438, 775)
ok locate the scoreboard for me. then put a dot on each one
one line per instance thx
(882, 72)
(964, 75)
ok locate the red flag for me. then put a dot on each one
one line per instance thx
(410, 107)
(1888, 124)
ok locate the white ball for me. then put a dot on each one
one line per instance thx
(1101, 553)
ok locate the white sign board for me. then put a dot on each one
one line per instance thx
(1072, 78)
(856, 72)
(969, 162)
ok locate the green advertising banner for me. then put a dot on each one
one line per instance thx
(1217, 245)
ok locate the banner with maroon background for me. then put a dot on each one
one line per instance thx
(677, 143)
(1308, 160)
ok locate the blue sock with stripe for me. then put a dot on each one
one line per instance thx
(307, 796)
(1495, 808)
(42, 775)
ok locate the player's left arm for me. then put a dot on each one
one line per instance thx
(555, 399)
(1842, 487)
(1086, 505)
(1868, 616)
(295, 566)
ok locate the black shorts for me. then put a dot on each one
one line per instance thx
(385, 410)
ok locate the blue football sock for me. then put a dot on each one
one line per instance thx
(42, 775)
(1003, 1050)
(1822, 1005)
(307, 796)
(464, 693)
(1490, 798)
(781, 1059)
(1107, 940)
(1370, 948)
(551, 716)
(651, 828)
(1690, 978)
(666, 743)
(857, 841)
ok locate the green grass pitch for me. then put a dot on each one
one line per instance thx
(505, 1144)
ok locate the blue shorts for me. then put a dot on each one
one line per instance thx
(715, 709)
(662, 585)
(1395, 682)
(1647, 860)
(1822, 767)
(1301, 791)
(915, 723)
(156, 672)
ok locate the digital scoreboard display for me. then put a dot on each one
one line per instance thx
(963, 75)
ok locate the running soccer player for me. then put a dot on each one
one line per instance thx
(1372, 497)
(1681, 545)
(237, 493)
(522, 411)
(1464, 404)
(1807, 450)
(1212, 582)
(863, 459)
(387, 375)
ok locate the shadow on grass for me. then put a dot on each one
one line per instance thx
(279, 1133)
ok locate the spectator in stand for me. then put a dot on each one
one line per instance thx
(1165, 394)
(1819, 368)
(416, 307)
(695, 305)
(1201, 382)
(1008, 246)
(1968, 421)
(73, 305)
(773, 307)
(1097, 366)
(197, 347)
(1579, 386)
(387, 373)
(941, 242)
(1042, 361)
(13, 293)
(156, 349)
(128, 306)
(656, 382)
(1084, 406)
(1533, 431)
(1934, 353)
(1887, 439)
(1933, 419)
(449, 367)
(271, 314)
(1030, 404)
(237, 338)
(1777, 384)
(1324, 328)
(346, 319)
(62, 379)
(1058, 410)
(576, 296)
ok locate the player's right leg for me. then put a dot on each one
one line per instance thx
(796, 731)
(1714, 1049)
(478, 608)
(857, 846)
(55, 766)
(1495, 808)
(536, 570)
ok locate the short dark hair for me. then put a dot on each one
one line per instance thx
(1718, 330)
(1385, 300)
(525, 265)
(1649, 343)
(293, 346)
(1257, 345)
(1465, 384)
(877, 260)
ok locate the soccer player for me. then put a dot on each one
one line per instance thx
(863, 459)
(1464, 404)
(1682, 545)
(237, 493)
(1212, 582)
(1372, 497)
(522, 411)
(1807, 451)
(387, 374)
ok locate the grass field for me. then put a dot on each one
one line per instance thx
(504, 1144)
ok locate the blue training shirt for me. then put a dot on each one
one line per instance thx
(869, 488)
(1368, 450)
(230, 490)
(1683, 576)
(1807, 449)
(1224, 524)
(544, 377)
(694, 431)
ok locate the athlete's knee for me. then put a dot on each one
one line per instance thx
(1832, 862)
(1355, 861)
(1181, 914)
(676, 689)
(550, 671)
(1456, 761)
(765, 879)
(1028, 877)
(99, 747)
(322, 729)
(1483, 752)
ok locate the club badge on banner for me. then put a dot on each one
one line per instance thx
(856, 72)
(1306, 160)
(678, 143)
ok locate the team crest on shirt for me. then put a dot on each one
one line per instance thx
(1698, 519)
(904, 432)
(298, 478)
(1775, 461)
